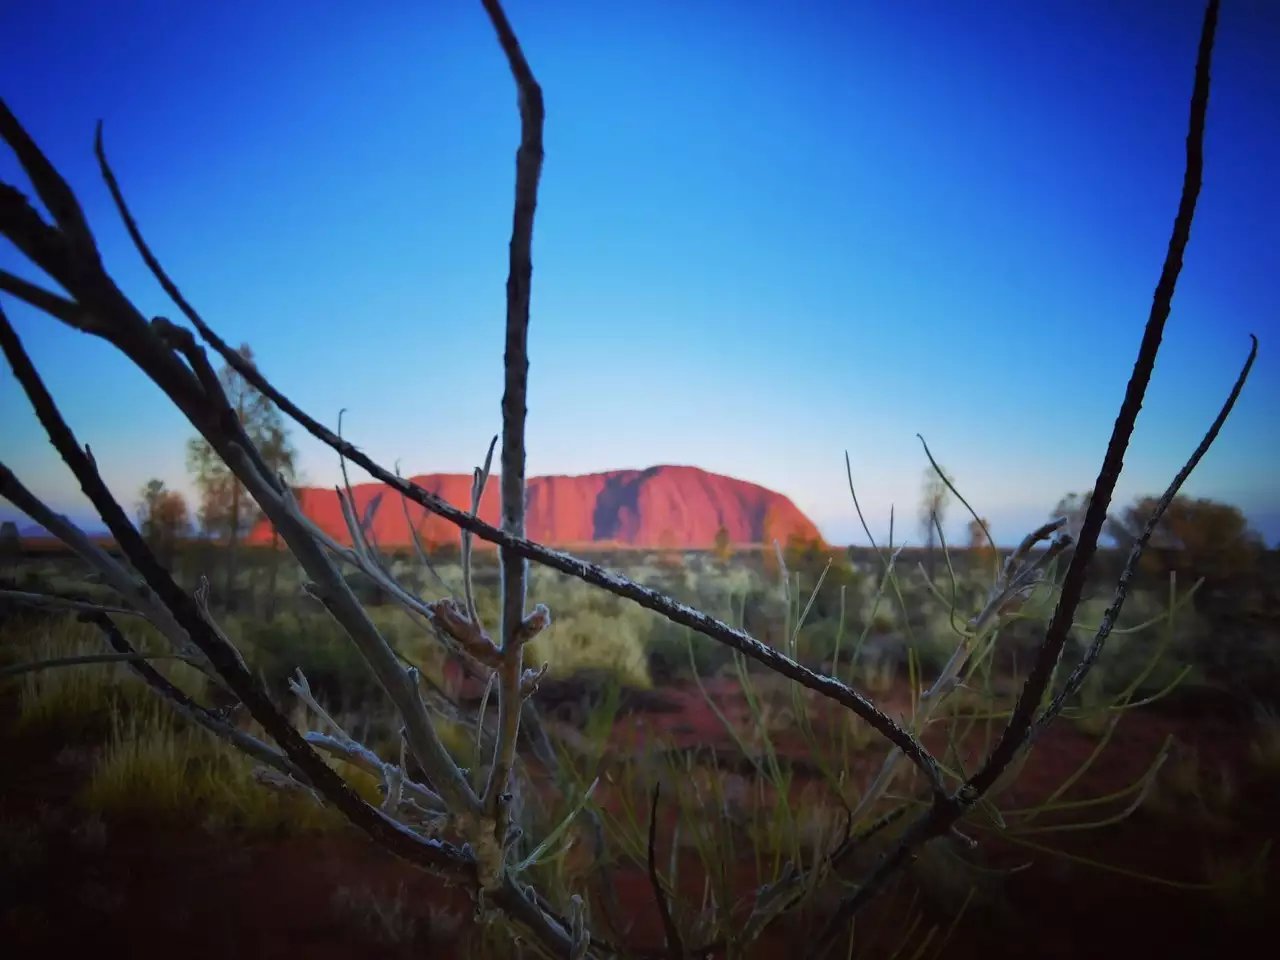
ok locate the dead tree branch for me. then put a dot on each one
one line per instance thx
(945, 813)
(430, 853)
(1076, 680)
(513, 567)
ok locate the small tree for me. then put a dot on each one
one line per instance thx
(163, 518)
(981, 549)
(226, 511)
(669, 554)
(821, 569)
(722, 549)
(934, 498)
(1196, 537)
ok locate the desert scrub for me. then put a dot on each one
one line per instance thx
(591, 641)
(668, 646)
(78, 697)
(156, 767)
(313, 642)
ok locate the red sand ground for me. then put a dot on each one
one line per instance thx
(145, 893)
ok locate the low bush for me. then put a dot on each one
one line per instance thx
(587, 640)
(158, 768)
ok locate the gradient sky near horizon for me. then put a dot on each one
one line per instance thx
(768, 233)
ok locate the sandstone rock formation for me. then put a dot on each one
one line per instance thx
(661, 507)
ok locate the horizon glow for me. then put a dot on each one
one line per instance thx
(765, 236)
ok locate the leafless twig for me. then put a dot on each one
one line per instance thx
(943, 814)
(671, 933)
(1076, 680)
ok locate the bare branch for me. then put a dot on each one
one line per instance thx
(361, 756)
(431, 854)
(945, 813)
(193, 711)
(56, 602)
(53, 191)
(333, 591)
(1077, 677)
(514, 567)
(37, 666)
(671, 933)
(43, 244)
(1077, 571)
(51, 303)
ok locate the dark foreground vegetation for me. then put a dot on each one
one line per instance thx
(113, 807)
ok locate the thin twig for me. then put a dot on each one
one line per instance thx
(37, 666)
(671, 933)
(418, 545)
(180, 701)
(943, 814)
(1077, 571)
(243, 684)
(515, 362)
(478, 482)
(958, 495)
(57, 602)
(1077, 677)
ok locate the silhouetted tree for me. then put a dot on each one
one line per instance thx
(1197, 537)
(980, 548)
(163, 518)
(722, 548)
(934, 498)
(226, 510)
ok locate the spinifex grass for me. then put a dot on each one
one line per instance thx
(157, 768)
(760, 846)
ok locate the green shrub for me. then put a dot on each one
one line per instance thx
(158, 767)
(668, 648)
(588, 640)
(83, 695)
(313, 643)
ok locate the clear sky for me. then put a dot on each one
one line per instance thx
(768, 233)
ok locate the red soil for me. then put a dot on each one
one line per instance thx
(147, 893)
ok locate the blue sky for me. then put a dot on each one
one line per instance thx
(768, 233)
